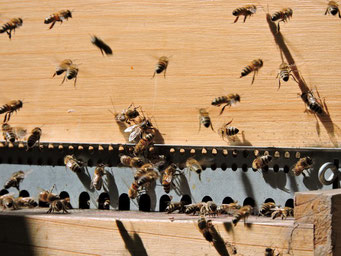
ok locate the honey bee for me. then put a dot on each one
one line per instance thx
(242, 213)
(71, 73)
(314, 105)
(245, 11)
(127, 115)
(228, 100)
(147, 178)
(58, 16)
(9, 108)
(133, 190)
(254, 66)
(283, 212)
(7, 202)
(62, 67)
(228, 208)
(8, 133)
(134, 162)
(284, 73)
(167, 177)
(47, 196)
(161, 66)
(15, 180)
(194, 166)
(34, 138)
(302, 164)
(101, 45)
(137, 130)
(227, 131)
(283, 15)
(143, 143)
(333, 9)
(59, 205)
(209, 208)
(11, 25)
(267, 208)
(73, 164)
(205, 228)
(25, 202)
(97, 180)
(193, 208)
(270, 252)
(261, 161)
(172, 207)
(204, 119)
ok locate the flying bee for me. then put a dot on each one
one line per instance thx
(205, 227)
(228, 100)
(209, 208)
(204, 119)
(8, 133)
(143, 170)
(127, 115)
(161, 66)
(71, 73)
(7, 202)
(227, 131)
(254, 67)
(62, 67)
(172, 207)
(314, 105)
(283, 212)
(261, 161)
(137, 130)
(9, 108)
(47, 196)
(333, 9)
(97, 180)
(15, 180)
(284, 73)
(73, 164)
(25, 202)
(267, 208)
(59, 205)
(167, 177)
(242, 213)
(195, 166)
(34, 138)
(247, 10)
(58, 16)
(193, 208)
(101, 45)
(302, 164)
(11, 25)
(147, 178)
(135, 162)
(143, 143)
(284, 15)
(228, 208)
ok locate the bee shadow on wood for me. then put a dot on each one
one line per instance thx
(158, 139)
(324, 117)
(236, 141)
(85, 178)
(219, 243)
(111, 189)
(133, 244)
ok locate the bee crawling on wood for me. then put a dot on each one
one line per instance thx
(193, 208)
(230, 208)
(245, 11)
(58, 16)
(161, 66)
(11, 25)
(227, 131)
(97, 180)
(261, 161)
(267, 209)
(104, 48)
(172, 207)
(283, 16)
(283, 212)
(302, 164)
(127, 115)
(209, 208)
(59, 205)
(228, 100)
(7, 202)
(204, 119)
(34, 138)
(242, 213)
(284, 73)
(25, 202)
(137, 130)
(333, 9)
(73, 164)
(254, 67)
(9, 108)
(314, 104)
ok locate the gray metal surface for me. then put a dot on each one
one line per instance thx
(228, 175)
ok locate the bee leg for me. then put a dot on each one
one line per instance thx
(50, 209)
(236, 19)
(52, 25)
(245, 18)
(278, 28)
(199, 125)
(74, 84)
(279, 84)
(222, 110)
(63, 80)
(212, 127)
(253, 78)
(101, 51)
(327, 12)
(164, 73)
(9, 34)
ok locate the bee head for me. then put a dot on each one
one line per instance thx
(21, 21)
(309, 160)
(69, 13)
(237, 98)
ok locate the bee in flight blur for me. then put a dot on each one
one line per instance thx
(283, 16)
(97, 180)
(9, 108)
(254, 67)
(161, 66)
(228, 131)
(104, 48)
(333, 9)
(11, 25)
(194, 166)
(34, 138)
(284, 73)
(245, 11)
(73, 164)
(205, 227)
(204, 119)
(302, 164)
(261, 161)
(242, 213)
(58, 16)
(8, 133)
(71, 70)
(228, 100)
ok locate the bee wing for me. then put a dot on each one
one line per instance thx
(20, 132)
(131, 128)
(134, 134)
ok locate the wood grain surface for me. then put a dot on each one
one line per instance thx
(207, 53)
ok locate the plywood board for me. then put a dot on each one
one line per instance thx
(207, 53)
